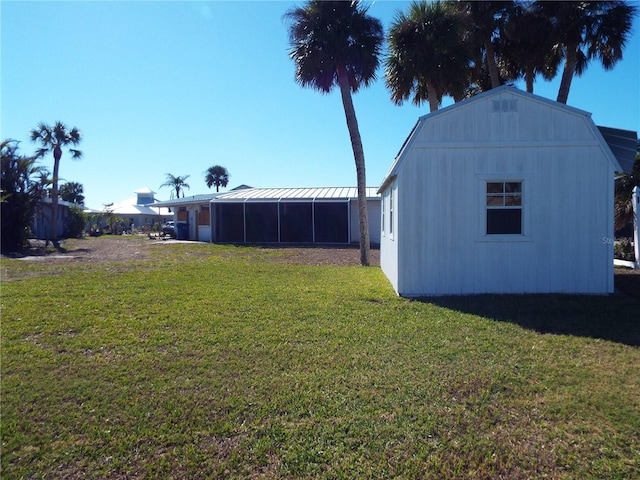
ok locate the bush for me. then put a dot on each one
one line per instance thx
(75, 223)
(623, 249)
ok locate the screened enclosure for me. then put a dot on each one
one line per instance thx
(282, 222)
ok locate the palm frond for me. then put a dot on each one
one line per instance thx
(325, 36)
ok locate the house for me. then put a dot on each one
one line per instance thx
(277, 215)
(505, 192)
(41, 224)
(140, 212)
(193, 211)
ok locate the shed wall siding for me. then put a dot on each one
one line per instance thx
(388, 244)
(565, 221)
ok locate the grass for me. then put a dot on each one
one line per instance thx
(209, 361)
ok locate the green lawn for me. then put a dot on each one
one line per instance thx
(210, 361)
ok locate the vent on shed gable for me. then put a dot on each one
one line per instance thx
(506, 105)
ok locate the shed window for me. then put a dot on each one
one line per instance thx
(504, 208)
(382, 214)
(391, 211)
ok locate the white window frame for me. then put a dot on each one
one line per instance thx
(391, 210)
(483, 236)
(382, 214)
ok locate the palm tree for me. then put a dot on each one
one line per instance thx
(529, 43)
(588, 30)
(21, 191)
(427, 54)
(72, 192)
(54, 139)
(484, 24)
(218, 176)
(177, 183)
(333, 44)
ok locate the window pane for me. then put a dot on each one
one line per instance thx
(504, 221)
(513, 200)
(495, 200)
(495, 187)
(513, 187)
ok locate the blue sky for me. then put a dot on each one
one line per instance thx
(176, 87)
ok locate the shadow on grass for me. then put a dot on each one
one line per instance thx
(36, 248)
(614, 317)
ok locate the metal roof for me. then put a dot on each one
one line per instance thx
(623, 145)
(305, 193)
(131, 207)
(202, 198)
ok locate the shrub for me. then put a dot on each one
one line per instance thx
(75, 223)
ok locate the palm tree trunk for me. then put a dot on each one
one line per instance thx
(529, 80)
(432, 96)
(494, 74)
(567, 73)
(57, 154)
(358, 155)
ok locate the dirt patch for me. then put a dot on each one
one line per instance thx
(327, 255)
(86, 250)
(122, 249)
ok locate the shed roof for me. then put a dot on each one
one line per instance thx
(304, 193)
(612, 138)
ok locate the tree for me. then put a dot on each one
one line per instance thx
(529, 43)
(623, 210)
(178, 184)
(21, 193)
(588, 30)
(427, 55)
(72, 192)
(218, 176)
(53, 139)
(484, 26)
(335, 43)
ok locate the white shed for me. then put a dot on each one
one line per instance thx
(505, 192)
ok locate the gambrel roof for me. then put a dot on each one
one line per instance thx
(618, 146)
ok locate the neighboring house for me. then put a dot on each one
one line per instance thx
(140, 211)
(194, 211)
(41, 225)
(505, 192)
(277, 215)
